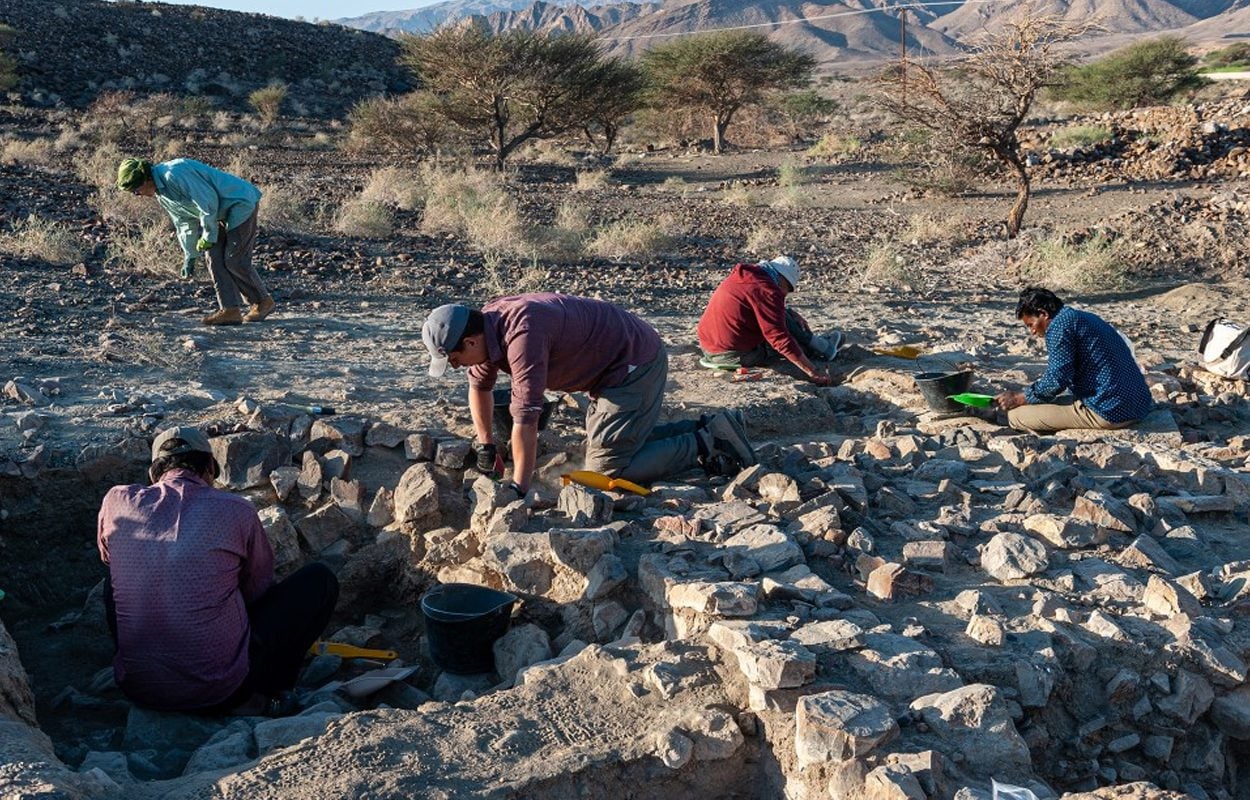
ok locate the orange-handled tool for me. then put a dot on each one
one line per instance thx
(597, 480)
(350, 651)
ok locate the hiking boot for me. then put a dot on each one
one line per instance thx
(226, 316)
(729, 437)
(260, 310)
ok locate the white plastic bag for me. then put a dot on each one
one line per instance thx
(1225, 349)
(1005, 791)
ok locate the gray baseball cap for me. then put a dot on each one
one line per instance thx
(441, 333)
(193, 441)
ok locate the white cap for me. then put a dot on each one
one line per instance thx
(786, 267)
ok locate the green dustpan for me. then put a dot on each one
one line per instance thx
(972, 399)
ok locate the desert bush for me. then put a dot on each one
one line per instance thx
(367, 219)
(284, 209)
(1146, 73)
(765, 240)
(836, 144)
(475, 204)
(148, 249)
(196, 105)
(499, 279)
(631, 239)
(1234, 56)
(243, 165)
(675, 183)
(926, 228)
(791, 173)
(28, 151)
(395, 186)
(589, 180)
(885, 265)
(1080, 136)
(137, 122)
(1094, 264)
(39, 239)
(267, 102)
(409, 123)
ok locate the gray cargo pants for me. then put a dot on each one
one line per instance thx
(622, 439)
(230, 265)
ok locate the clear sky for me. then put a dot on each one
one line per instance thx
(308, 9)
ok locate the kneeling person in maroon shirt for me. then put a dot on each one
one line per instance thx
(575, 344)
(190, 596)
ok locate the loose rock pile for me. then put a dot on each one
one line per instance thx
(904, 614)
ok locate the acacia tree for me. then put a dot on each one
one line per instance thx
(982, 100)
(620, 85)
(508, 88)
(1143, 74)
(720, 73)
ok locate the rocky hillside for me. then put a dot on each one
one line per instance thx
(832, 31)
(69, 51)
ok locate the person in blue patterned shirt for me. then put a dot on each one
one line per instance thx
(1087, 357)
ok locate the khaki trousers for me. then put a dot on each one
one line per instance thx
(622, 438)
(1051, 417)
(230, 265)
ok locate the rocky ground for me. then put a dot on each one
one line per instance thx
(893, 604)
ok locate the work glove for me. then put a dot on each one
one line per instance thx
(203, 244)
(489, 461)
(188, 267)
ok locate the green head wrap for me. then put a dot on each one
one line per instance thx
(133, 173)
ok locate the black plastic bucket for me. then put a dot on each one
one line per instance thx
(503, 415)
(935, 386)
(462, 622)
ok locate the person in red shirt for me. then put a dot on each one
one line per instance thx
(747, 323)
(190, 597)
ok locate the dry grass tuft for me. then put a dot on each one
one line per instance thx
(738, 194)
(929, 228)
(833, 145)
(38, 239)
(284, 209)
(395, 186)
(590, 180)
(29, 151)
(475, 204)
(885, 265)
(632, 240)
(148, 249)
(1095, 264)
(765, 240)
(367, 219)
(1079, 136)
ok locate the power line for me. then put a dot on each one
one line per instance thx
(854, 13)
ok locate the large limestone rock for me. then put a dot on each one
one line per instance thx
(427, 497)
(767, 545)
(840, 725)
(555, 564)
(899, 668)
(1010, 556)
(975, 721)
(518, 648)
(247, 458)
(346, 433)
(282, 538)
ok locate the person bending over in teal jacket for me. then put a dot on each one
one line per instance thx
(214, 213)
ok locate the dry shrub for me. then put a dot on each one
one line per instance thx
(284, 209)
(789, 197)
(365, 218)
(1080, 136)
(499, 279)
(675, 183)
(28, 151)
(148, 249)
(124, 345)
(395, 186)
(836, 144)
(268, 102)
(411, 122)
(764, 240)
(791, 173)
(1094, 264)
(632, 240)
(38, 239)
(566, 239)
(243, 166)
(589, 180)
(475, 204)
(738, 194)
(931, 227)
(885, 265)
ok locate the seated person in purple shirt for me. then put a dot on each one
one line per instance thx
(575, 344)
(190, 596)
(1086, 357)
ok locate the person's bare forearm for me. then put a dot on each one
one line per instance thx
(524, 453)
(482, 407)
